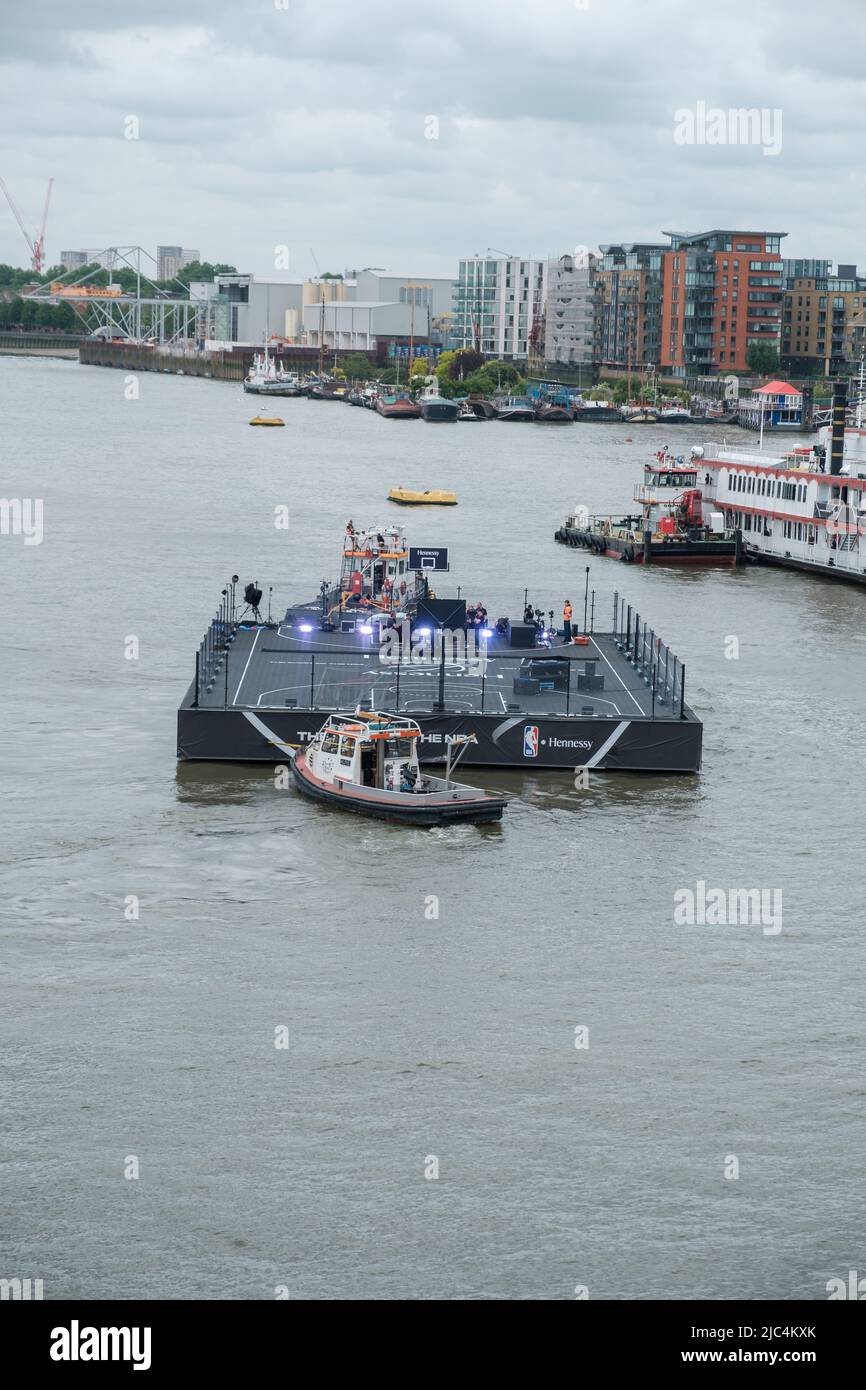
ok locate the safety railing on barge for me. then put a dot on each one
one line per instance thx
(659, 668)
(212, 657)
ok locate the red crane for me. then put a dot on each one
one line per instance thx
(37, 244)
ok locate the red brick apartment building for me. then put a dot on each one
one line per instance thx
(720, 291)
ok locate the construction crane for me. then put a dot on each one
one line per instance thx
(37, 244)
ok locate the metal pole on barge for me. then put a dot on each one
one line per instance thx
(440, 703)
(585, 598)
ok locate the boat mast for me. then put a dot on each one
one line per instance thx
(321, 329)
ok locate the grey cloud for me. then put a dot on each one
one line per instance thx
(556, 125)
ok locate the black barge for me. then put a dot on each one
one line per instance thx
(522, 694)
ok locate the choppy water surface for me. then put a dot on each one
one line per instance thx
(410, 1037)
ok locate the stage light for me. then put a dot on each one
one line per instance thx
(305, 627)
(424, 631)
(365, 628)
(487, 632)
(252, 595)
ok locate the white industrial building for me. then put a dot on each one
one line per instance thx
(353, 313)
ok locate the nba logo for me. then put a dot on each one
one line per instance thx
(530, 741)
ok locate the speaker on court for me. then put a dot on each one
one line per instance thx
(521, 635)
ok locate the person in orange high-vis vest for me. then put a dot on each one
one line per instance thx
(566, 619)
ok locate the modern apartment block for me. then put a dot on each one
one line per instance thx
(805, 268)
(94, 255)
(171, 259)
(628, 282)
(823, 321)
(569, 319)
(721, 291)
(499, 305)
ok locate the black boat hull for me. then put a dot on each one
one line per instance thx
(673, 552)
(439, 412)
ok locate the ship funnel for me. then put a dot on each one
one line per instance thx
(837, 437)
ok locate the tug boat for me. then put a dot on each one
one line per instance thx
(677, 522)
(595, 411)
(267, 377)
(398, 407)
(368, 762)
(475, 408)
(550, 413)
(433, 497)
(516, 408)
(329, 390)
(435, 407)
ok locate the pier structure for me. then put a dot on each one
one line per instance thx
(146, 314)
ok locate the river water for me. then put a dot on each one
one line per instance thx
(417, 1043)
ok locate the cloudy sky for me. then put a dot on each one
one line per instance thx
(307, 124)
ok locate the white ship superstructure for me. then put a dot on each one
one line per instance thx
(803, 507)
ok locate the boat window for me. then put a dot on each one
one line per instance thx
(347, 747)
(330, 744)
(398, 747)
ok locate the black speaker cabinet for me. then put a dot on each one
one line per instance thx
(521, 635)
(525, 685)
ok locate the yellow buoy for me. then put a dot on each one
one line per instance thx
(434, 497)
(267, 420)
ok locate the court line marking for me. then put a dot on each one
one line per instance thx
(249, 659)
(619, 678)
